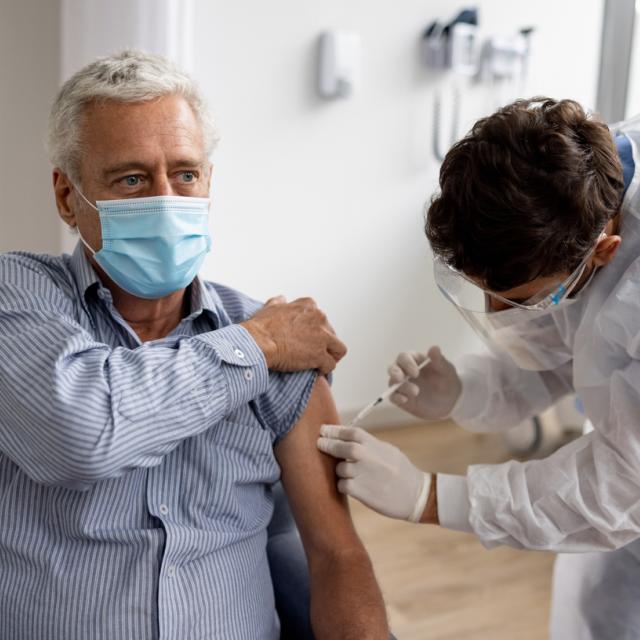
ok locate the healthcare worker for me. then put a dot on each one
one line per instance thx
(536, 240)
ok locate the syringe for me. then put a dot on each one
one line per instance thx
(381, 398)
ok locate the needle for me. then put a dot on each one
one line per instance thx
(382, 397)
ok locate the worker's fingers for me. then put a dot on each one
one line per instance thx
(419, 357)
(340, 432)
(275, 300)
(346, 469)
(399, 399)
(340, 449)
(409, 390)
(346, 486)
(396, 374)
(407, 362)
(355, 488)
(438, 361)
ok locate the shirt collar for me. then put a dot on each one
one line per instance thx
(84, 273)
(204, 299)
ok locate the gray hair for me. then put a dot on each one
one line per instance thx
(129, 76)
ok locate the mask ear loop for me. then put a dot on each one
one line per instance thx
(591, 275)
(84, 242)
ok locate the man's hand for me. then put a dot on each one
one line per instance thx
(376, 473)
(432, 392)
(295, 336)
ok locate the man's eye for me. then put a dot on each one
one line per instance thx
(188, 176)
(131, 181)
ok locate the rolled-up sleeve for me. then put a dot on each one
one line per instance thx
(74, 410)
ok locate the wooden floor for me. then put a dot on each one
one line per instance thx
(441, 585)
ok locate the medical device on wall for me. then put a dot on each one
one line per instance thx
(450, 48)
(453, 53)
(504, 60)
(339, 64)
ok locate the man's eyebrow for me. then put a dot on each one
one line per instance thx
(188, 162)
(123, 167)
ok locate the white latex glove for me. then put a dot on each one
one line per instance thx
(376, 473)
(433, 391)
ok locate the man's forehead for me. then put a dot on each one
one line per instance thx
(120, 133)
(169, 117)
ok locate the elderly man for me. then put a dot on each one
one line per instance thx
(141, 408)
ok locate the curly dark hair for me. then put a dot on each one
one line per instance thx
(526, 193)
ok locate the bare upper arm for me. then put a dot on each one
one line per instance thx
(308, 476)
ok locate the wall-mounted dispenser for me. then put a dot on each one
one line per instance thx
(339, 64)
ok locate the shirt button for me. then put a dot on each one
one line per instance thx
(164, 509)
(239, 353)
(248, 374)
(171, 571)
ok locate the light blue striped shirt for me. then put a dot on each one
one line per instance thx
(134, 478)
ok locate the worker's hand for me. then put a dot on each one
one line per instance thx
(375, 472)
(295, 336)
(432, 392)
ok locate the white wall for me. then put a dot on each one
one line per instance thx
(310, 197)
(325, 198)
(29, 46)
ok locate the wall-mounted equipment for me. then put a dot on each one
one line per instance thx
(339, 64)
(452, 51)
(505, 58)
(450, 47)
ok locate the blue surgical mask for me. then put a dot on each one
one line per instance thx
(152, 246)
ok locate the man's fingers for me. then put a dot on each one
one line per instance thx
(327, 365)
(308, 303)
(275, 300)
(336, 348)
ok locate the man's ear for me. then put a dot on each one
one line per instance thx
(606, 249)
(209, 178)
(63, 190)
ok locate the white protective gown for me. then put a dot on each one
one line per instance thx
(586, 496)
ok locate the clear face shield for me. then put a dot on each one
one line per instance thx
(525, 329)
